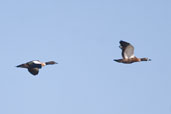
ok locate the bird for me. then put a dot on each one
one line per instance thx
(128, 54)
(34, 66)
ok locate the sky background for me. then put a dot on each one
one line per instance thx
(83, 37)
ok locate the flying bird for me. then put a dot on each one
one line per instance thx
(128, 54)
(34, 66)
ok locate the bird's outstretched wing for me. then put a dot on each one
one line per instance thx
(127, 50)
(33, 71)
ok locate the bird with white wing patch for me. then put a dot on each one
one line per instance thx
(34, 66)
(128, 54)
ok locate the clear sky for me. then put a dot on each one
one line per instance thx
(83, 37)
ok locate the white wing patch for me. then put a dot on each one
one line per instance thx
(125, 56)
(129, 52)
(37, 62)
(128, 56)
(132, 56)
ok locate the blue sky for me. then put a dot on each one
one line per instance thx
(83, 37)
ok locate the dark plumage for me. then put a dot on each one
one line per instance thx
(34, 66)
(33, 71)
(128, 54)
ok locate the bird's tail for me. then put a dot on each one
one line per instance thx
(22, 66)
(118, 60)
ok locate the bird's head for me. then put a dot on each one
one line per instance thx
(51, 63)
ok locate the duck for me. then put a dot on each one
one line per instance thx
(34, 66)
(128, 56)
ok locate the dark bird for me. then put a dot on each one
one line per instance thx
(128, 54)
(34, 66)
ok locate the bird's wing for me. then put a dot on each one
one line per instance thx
(33, 71)
(34, 64)
(127, 50)
(123, 44)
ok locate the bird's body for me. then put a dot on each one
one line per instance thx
(34, 66)
(128, 54)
